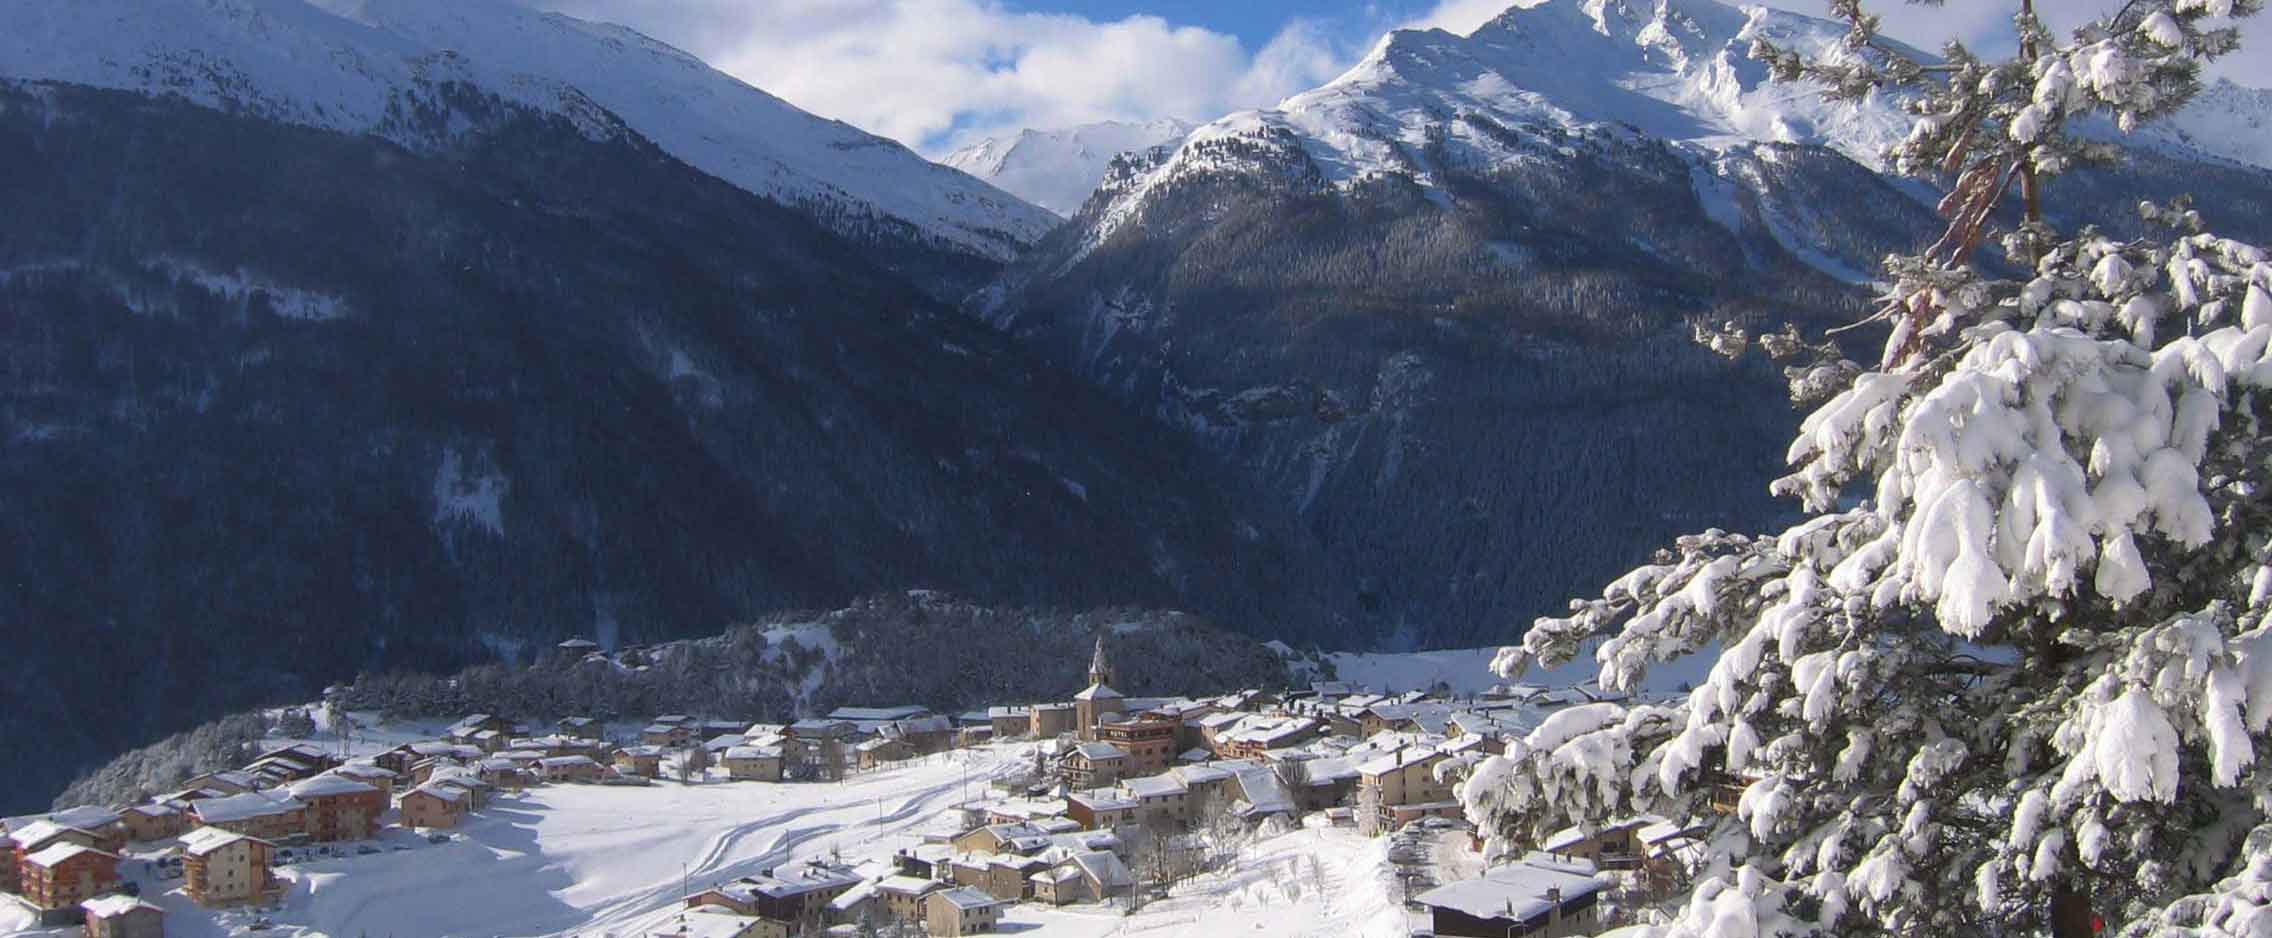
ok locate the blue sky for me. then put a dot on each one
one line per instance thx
(938, 74)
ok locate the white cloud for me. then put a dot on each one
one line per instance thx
(936, 73)
(1459, 16)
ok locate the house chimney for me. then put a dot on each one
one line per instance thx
(1553, 907)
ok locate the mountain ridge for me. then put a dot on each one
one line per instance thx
(341, 65)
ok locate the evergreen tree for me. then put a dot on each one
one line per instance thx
(2011, 674)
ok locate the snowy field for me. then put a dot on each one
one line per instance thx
(602, 860)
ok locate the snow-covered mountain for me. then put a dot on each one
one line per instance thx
(2228, 120)
(352, 64)
(1057, 169)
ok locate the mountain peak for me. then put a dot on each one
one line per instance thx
(1057, 169)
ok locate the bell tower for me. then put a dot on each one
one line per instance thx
(1100, 668)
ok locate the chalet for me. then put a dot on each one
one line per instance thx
(854, 905)
(1256, 737)
(372, 774)
(1010, 722)
(712, 729)
(339, 808)
(33, 838)
(1095, 765)
(1395, 789)
(817, 749)
(642, 761)
(876, 753)
(581, 728)
(490, 740)
(794, 896)
(267, 815)
(512, 771)
(1163, 802)
(231, 782)
(1150, 743)
(466, 780)
(108, 828)
(465, 731)
(754, 763)
(1535, 898)
(922, 736)
(570, 769)
(58, 878)
(1001, 838)
(961, 911)
(1261, 793)
(156, 820)
(1051, 720)
(121, 916)
(223, 868)
(1004, 876)
(435, 806)
(290, 764)
(1093, 876)
(900, 898)
(1100, 810)
(923, 861)
(871, 720)
(1321, 783)
(665, 734)
(713, 921)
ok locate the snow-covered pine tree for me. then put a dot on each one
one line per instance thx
(2013, 674)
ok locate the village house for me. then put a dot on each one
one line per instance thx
(754, 763)
(1257, 737)
(1321, 783)
(107, 826)
(372, 774)
(58, 878)
(1094, 765)
(868, 721)
(267, 815)
(901, 897)
(1092, 876)
(230, 782)
(511, 772)
(961, 911)
(1535, 898)
(468, 731)
(1149, 742)
(433, 806)
(817, 750)
(642, 761)
(223, 868)
(1004, 876)
(713, 921)
(290, 764)
(1000, 838)
(854, 905)
(123, 917)
(1163, 802)
(874, 754)
(1051, 720)
(339, 808)
(581, 728)
(156, 820)
(1100, 810)
(570, 769)
(33, 838)
(1401, 787)
(1010, 722)
(922, 736)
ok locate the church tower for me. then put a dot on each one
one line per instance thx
(1100, 669)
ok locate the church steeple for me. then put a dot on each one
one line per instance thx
(1100, 669)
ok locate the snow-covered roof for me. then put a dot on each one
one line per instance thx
(710, 921)
(365, 770)
(447, 792)
(1398, 759)
(723, 742)
(1003, 713)
(205, 840)
(32, 834)
(1155, 786)
(1264, 793)
(116, 905)
(60, 853)
(1097, 692)
(563, 762)
(1097, 752)
(753, 752)
(329, 785)
(966, 898)
(1104, 868)
(155, 809)
(851, 898)
(85, 817)
(878, 714)
(909, 885)
(1516, 892)
(1101, 800)
(1200, 774)
(246, 806)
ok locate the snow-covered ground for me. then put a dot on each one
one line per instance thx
(603, 860)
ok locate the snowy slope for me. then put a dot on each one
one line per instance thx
(338, 64)
(2226, 120)
(1057, 169)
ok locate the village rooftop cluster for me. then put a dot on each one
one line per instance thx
(1125, 796)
